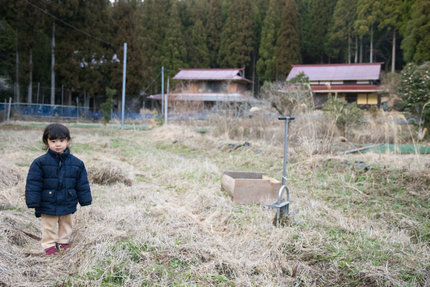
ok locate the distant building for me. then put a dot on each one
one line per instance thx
(358, 83)
(204, 89)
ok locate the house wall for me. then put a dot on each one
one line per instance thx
(367, 99)
(363, 99)
(237, 87)
(211, 87)
(186, 106)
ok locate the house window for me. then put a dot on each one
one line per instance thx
(215, 87)
(351, 98)
(349, 82)
(207, 106)
(185, 85)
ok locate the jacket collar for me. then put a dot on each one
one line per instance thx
(59, 156)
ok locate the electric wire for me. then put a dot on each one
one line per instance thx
(150, 84)
(68, 24)
(86, 33)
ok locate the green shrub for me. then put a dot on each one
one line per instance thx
(343, 114)
(414, 90)
(107, 106)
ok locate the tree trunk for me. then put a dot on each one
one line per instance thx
(69, 97)
(393, 57)
(349, 49)
(371, 45)
(356, 50)
(87, 102)
(17, 96)
(53, 65)
(253, 72)
(361, 50)
(30, 78)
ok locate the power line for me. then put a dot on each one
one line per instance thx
(154, 79)
(68, 24)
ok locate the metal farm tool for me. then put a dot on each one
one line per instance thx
(283, 205)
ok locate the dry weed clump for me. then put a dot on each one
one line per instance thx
(254, 124)
(107, 173)
(20, 264)
(311, 134)
(17, 230)
(9, 176)
(382, 127)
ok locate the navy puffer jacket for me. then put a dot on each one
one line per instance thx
(56, 183)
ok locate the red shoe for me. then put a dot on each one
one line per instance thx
(63, 246)
(51, 250)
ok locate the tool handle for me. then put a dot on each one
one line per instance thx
(286, 118)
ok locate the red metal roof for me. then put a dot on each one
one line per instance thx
(338, 72)
(210, 74)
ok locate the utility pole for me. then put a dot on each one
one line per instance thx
(124, 69)
(162, 90)
(38, 92)
(30, 80)
(9, 108)
(52, 65)
(166, 104)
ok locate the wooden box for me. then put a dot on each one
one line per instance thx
(250, 187)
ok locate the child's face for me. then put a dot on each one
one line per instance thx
(58, 145)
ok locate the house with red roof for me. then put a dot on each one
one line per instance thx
(202, 89)
(358, 83)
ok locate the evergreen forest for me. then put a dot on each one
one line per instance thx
(76, 46)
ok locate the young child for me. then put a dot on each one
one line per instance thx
(56, 182)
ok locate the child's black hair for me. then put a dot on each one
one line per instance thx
(55, 131)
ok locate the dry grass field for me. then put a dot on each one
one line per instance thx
(160, 218)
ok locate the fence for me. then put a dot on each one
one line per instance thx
(25, 110)
(47, 111)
